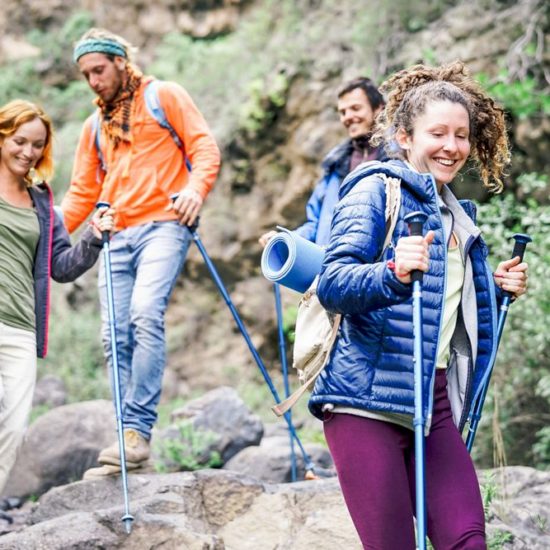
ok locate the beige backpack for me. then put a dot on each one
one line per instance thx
(316, 328)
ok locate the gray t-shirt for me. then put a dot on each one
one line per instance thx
(19, 233)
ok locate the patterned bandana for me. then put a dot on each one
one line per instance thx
(98, 45)
(116, 114)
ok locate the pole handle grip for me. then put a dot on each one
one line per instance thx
(416, 221)
(192, 228)
(105, 235)
(520, 244)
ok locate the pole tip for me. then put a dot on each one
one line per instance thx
(128, 519)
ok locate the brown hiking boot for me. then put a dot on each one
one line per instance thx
(136, 447)
(109, 470)
(101, 472)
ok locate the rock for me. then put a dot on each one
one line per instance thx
(15, 49)
(520, 507)
(60, 446)
(207, 510)
(222, 510)
(216, 424)
(50, 390)
(270, 461)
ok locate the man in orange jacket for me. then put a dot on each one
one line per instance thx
(126, 158)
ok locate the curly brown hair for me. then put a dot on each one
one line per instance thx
(410, 90)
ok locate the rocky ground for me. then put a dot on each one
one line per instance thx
(221, 510)
(246, 504)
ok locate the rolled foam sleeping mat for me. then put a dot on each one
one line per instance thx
(291, 260)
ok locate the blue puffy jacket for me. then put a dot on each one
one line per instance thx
(371, 364)
(320, 206)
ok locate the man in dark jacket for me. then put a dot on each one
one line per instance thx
(359, 101)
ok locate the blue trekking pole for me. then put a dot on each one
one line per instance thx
(521, 241)
(284, 368)
(308, 464)
(127, 518)
(416, 221)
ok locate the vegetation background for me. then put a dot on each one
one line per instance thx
(264, 73)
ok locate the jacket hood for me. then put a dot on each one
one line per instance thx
(338, 158)
(421, 185)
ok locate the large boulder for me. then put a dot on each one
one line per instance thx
(60, 446)
(271, 461)
(216, 424)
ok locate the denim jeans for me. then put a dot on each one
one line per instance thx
(145, 263)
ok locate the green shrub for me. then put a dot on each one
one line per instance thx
(522, 370)
(489, 492)
(187, 452)
(75, 350)
(522, 98)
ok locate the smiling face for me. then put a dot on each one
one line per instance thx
(23, 149)
(356, 113)
(105, 77)
(439, 142)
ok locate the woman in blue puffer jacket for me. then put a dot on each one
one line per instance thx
(434, 122)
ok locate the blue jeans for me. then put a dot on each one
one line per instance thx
(145, 263)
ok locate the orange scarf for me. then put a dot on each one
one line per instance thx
(116, 114)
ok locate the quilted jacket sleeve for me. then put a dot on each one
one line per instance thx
(353, 280)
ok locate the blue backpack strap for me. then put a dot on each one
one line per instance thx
(155, 109)
(96, 130)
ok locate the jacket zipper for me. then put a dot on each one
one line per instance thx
(429, 410)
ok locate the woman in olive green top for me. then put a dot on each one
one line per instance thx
(34, 246)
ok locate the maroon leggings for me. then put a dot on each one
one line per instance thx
(375, 465)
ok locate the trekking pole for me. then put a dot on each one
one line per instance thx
(308, 463)
(284, 368)
(521, 241)
(416, 221)
(127, 518)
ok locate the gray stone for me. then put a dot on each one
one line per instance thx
(50, 390)
(60, 446)
(271, 462)
(218, 422)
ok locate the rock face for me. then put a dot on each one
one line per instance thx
(144, 25)
(206, 510)
(217, 510)
(217, 429)
(60, 446)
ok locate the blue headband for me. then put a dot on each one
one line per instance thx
(98, 45)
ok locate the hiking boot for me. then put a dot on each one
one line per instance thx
(100, 473)
(136, 447)
(110, 470)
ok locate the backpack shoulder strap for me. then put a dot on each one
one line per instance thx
(152, 102)
(96, 133)
(393, 203)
